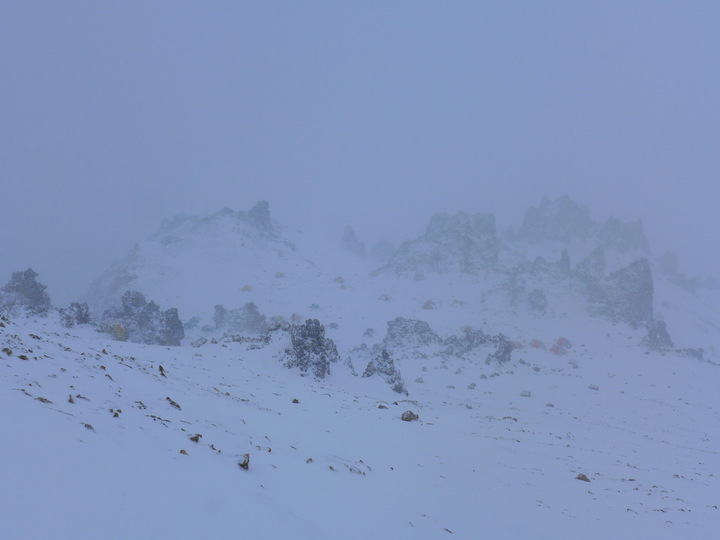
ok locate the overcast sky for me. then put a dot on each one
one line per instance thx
(114, 115)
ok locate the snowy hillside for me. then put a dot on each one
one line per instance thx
(563, 377)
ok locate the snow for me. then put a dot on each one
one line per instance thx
(496, 451)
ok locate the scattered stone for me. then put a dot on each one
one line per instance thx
(525, 393)
(594, 387)
(244, 462)
(409, 416)
(196, 437)
(199, 342)
(582, 477)
(173, 403)
(296, 400)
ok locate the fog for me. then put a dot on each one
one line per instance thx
(115, 116)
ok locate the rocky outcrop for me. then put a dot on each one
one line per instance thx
(309, 349)
(409, 333)
(623, 236)
(246, 319)
(592, 268)
(382, 364)
(351, 243)
(461, 243)
(24, 294)
(77, 313)
(657, 338)
(628, 294)
(140, 321)
(559, 220)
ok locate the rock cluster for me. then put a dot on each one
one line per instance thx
(140, 321)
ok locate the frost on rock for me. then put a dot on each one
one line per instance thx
(309, 349)
(77, 313)
(628, 294)
(351, 243)
(657, 338)
(592, 268)
(382, 364)
(560, 220)
(469, 340)
(409, 333)
(537, 301)
(23, 293)
(461, 243)
(140, 321)
(246, 319)
(623, 236)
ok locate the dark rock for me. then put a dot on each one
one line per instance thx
(469, 340)
(503, 350)
(409, 416)
(382, 364)
(310, 350)
(404, 333)
(24, 293)
(582, 477)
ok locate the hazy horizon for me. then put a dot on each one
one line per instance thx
(115, 117)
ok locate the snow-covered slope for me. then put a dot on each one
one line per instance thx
(542, 411)
(496, 451)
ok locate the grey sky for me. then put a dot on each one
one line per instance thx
(378, 114)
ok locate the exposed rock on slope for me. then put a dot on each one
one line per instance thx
(382, 364)
(561, 220)
(351, 243)
(461, 243)
(24, 293)
(246, 319)
(142, 322)
(628, 294)
(309, 349)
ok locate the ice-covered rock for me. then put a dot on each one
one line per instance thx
(309, 349)
(23, 293)
(560, 220)
(657, 337)
(246, 319)
(409, 333)
(140, 321)
(623, 236)
(461, 243)
(76, 313)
